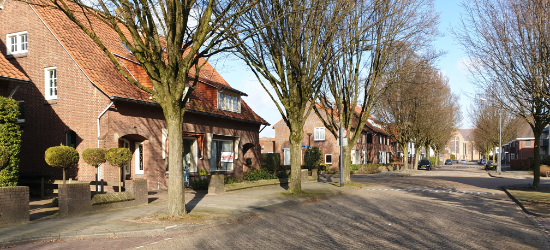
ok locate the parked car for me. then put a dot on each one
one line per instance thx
(482, 162)
(463, 161)
(489, 165)
(448, 162)
(425, 164)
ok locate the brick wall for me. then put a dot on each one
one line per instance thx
(14, 205)
(47, 123)
(74, 199)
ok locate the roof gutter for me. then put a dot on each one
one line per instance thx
(99, 122)
(154, 104)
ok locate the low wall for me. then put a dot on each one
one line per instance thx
(14, 205)
(76, 198)
(241, 185)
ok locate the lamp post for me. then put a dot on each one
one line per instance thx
(309, 150)
(499, 136)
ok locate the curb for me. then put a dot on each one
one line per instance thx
(162, 231)
(527, 211)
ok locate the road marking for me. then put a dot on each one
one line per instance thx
(171, 227)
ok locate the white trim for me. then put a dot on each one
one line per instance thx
(331, 160)
(47, 80)
(18, 43)
(525, 139)
(289, 156)
(137, 161)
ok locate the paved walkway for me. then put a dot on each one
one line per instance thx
(126, 222)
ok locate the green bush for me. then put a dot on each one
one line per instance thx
(432, 160)
(199, 184)
(4, 156)
(203, 172)
(283, 175)
(231, 180)
(271, 161)
(354, 167)
(258, 174)
(94, 156)
(55, 202)
(61, 157)
(118, 156)
(316, 157)
(10, 139)
(545, 160)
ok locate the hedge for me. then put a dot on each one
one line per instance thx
(10, 138)
(520, 164)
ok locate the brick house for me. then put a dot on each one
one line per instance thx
(10, 75)
(267, 144)
(374, 145)
(523, 146)
(78, 98)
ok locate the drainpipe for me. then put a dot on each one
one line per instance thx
(99, 121)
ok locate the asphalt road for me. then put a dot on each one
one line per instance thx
(454, 207)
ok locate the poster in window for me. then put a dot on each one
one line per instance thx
(227, 157)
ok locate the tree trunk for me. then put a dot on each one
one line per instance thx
(63, 176)
(346, 167)
(96, 174)
(176, 189)
(406, 157)
(119, 180)
(295, 185)
(416, 156)
(536, 164)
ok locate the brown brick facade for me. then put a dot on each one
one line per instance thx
(79, 103)
(14, 205)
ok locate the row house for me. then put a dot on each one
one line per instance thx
(523, 144)
(73, 95)
(373, 146)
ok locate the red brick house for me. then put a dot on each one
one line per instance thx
(523, 146)
(10, 74)
(374, 145)
(267, 145)
(78, 98)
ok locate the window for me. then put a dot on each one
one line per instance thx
(328, 159)
(21, 118)
(51, 83)
(353, 157)
(70, 139)
(364, 157)
(222, 155)
(363, 139)
(17, 43)
(229, 102)
(139, 158)
(528, 143)
(319, 134)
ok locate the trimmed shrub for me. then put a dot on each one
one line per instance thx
(520, 164)
(231, 180)
(94, 157)
(118, 157)
(271, 161)
(316, 157)
(62, 157)
(199, 184)
(4, 156)
(258, 174)
(354, 167)
(10, 139)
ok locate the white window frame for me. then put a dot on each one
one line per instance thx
(331, 160)
(18, 43)
(526, 142)
(319, 134)
(229, 102)
(47, 83)
(137, 161)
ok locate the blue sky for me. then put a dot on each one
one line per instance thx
(239, 76)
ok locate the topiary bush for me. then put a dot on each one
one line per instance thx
(316, 157)
(10, 139)
(61, 157)
(4, 156)
(258, 174)
(94, 157)
(118, 157)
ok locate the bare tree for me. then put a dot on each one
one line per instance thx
(170, 39)
(508, 42)
(291, 56)
(355, 83)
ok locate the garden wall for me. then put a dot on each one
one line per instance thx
(14, 205)
(76, 198)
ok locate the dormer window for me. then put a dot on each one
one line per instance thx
(229, 102)
(17, 43)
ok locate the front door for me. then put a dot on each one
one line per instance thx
(138, 154)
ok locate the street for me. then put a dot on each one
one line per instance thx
(456, 207)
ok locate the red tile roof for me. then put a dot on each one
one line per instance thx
(8, 70)
(101, 71)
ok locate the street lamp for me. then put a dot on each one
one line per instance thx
(309, 150)
(499, 135)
